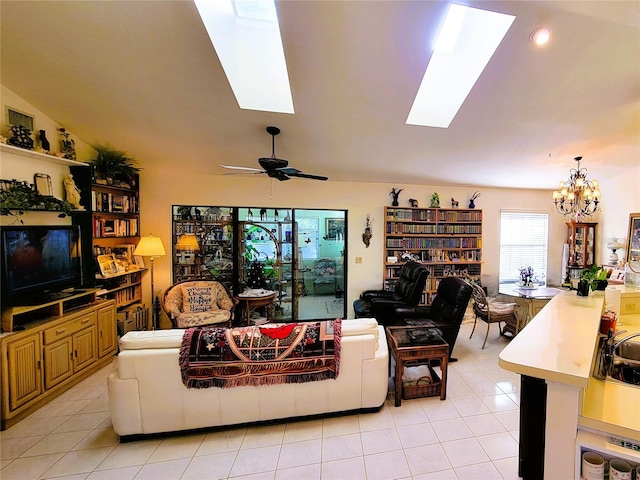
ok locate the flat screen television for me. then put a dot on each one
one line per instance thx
(39, 262)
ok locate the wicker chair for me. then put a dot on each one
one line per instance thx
(490, 311)
(198, 303)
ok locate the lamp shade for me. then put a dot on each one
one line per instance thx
(150, 246)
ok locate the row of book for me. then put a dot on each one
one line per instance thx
(434, 215)
(471, 242)
(115, 227)
(108, 202)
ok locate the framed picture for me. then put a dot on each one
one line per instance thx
(107, 264)
(43, 185)
(334, 228)
(139, 261)
(633, 248)
(124, 256)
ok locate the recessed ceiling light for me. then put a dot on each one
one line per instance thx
(246, 36)
(467, 41)
(540, 36)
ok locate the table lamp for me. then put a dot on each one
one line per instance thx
(151, 247)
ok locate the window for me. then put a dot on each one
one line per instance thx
(523, 243)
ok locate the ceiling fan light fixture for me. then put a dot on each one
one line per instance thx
(540, 36)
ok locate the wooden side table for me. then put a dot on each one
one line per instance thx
(249, 304)
(417, 345)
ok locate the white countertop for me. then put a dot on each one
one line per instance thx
(558, 344)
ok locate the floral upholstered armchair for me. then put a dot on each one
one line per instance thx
(324, 275)
(198, 303)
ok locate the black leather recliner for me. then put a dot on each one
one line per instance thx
(383, 305)
(446, 312)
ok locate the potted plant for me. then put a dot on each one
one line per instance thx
(594, 278)
(113, 165)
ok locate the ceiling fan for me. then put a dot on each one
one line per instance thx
(273, 166)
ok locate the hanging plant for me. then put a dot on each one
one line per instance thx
(19, 197)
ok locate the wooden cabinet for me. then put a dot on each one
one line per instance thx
(62, 345)
(22, 378)
(447, 241)
(107, 332)
(581, 238)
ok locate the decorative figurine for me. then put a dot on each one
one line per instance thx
(472, 200)
(67, 145)
(454, 203)
(263, 214)
(72, 191)
(413, 202)
(249, 215)
(366, 236)
(435, 200)
(44, 143)
(395, 193)
(21, 137)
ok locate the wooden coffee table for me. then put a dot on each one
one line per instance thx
(418, 345)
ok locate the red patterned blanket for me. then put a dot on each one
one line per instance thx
(260, 355)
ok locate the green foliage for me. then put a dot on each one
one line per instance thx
(593, 275)
(22, 197)
(114, 163)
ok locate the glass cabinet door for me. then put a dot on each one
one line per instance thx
(203, 243)
(581, 238)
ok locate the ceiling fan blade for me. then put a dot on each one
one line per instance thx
(259, 172)
(233, 167)
(306, 175)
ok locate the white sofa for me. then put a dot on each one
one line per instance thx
(146, 393)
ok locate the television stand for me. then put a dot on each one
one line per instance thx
(46, 308)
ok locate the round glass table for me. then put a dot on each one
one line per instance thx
(529, 301)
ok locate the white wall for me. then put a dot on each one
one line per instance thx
(161, 190)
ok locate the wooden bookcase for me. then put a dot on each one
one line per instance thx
(447, 241)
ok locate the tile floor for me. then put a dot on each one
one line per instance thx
(473, 434)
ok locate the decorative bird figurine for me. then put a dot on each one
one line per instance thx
(395, 193)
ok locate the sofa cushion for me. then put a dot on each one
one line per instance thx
(197, 319)
(138, 340)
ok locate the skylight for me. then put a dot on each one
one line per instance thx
(246, 36)
(465, 44)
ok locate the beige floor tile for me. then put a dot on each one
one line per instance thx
(464, 452)
(256, 460)
(452, 429)
(344, 469)
(222, 441)
(126, 473)
(499, 445)
(29, 468)
(484, 424)
(378, 441)
(80, 461)
(417, 435)
(11, 448)
(299, 431)
(427, 459)
(341, 446)
(170, 470)
(297, 454)
(386, 466)
(480, 471)
(305, 472)
(176, 447)
(56, 443)
(210, 467)
(263, 436)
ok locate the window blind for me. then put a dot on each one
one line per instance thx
(523, 242)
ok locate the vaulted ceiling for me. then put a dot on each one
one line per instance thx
(143, 77)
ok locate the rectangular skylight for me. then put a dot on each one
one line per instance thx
(246, 36)
(465, 44)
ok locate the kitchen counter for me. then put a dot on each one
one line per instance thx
(610, 406)
(558, 347)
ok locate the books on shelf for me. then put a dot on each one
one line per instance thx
(103, 202)
(115, 227)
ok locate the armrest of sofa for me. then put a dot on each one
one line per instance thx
(422, 311)
(369, 295)
(140, 340)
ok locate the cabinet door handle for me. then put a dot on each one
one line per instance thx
(86, 320)
(61, 331)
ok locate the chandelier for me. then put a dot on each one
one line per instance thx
(577, 196)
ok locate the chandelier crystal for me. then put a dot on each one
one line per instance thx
(577, 197)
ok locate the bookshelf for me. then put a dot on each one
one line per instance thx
(447, 241)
